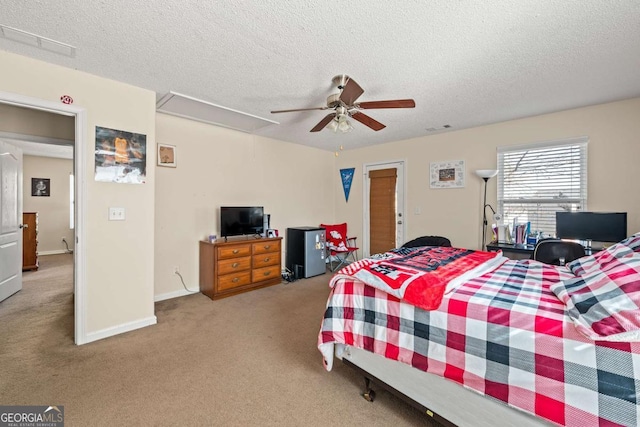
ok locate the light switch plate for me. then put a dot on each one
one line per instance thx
(116, 214)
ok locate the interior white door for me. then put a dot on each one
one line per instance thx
(10, 220)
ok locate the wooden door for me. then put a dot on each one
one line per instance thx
(382, 210)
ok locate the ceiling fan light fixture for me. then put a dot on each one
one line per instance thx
(340, 123)
(344, 126)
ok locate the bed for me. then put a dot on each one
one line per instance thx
(512, 342)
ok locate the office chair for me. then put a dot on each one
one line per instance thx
(557, 252)
(428, 241)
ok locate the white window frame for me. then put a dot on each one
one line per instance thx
(517, 209)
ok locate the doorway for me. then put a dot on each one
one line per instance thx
(384, 206)
(79, 252)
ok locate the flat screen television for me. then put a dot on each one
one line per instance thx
(241, 220)
(594, 226)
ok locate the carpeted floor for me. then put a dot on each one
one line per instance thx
(246, 360)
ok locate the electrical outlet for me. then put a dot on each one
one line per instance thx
(176, 270)
(64, 240)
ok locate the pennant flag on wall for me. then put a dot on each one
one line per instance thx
(347, 177)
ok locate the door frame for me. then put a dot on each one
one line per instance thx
(401, 166)
(80, 182)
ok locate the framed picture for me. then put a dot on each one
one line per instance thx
(121, 156)
(447, 174)
(40, 187)
(167, 155)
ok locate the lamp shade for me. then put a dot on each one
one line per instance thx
(486, 173)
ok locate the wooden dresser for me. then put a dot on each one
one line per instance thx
(30, 241)
(236, 266)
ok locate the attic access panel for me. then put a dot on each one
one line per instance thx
(191, 108)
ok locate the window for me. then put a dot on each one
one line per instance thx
(536, 181)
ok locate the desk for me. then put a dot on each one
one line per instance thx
(514, 251)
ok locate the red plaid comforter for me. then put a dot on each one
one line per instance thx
(504, 334)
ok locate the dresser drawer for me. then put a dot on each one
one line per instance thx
(265, 273)
(225, 252)
(266, 247)
(231, 265)
(230, 281)
(265, 260)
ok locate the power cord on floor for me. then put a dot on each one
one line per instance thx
(185, 286)
(69, 251)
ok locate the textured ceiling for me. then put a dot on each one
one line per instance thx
(466, 63)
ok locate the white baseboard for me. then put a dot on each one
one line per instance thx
(55, 252)
(120, 329)
(174, 294)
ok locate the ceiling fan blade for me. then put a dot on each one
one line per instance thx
(323, 123)
(299, 109)
(396, 103)
(351, 92)
(368, 121)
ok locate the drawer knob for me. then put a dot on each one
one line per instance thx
(235, 251)
(267, 246)
(266, 273)
(236, 280)
(267, 259)
(235, 264)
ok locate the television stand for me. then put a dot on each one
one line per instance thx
(236, 266)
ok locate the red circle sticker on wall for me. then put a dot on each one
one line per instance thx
(66, 99)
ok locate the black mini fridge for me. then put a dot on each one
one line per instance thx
(305, 251)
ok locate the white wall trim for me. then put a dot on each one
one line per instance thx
(174, 294)
(53, 252)
(120, 329)
(80, 308)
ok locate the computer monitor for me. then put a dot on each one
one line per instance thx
(592, 226)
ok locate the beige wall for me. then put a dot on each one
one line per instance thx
(53, 211)
(27, 121)
(296, 185)
(119, 268)
(218, 166)
(613, 131)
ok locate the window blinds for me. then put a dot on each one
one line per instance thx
(536, 181)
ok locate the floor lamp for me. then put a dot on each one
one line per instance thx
(485, 174)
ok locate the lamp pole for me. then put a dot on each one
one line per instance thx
(484, 214)
(486, 175)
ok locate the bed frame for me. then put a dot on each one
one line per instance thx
(446, 402)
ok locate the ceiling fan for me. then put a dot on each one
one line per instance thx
(344, 105)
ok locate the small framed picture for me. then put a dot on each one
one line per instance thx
(167, 155)
(40, 187)
(271, 232)
(447, 174)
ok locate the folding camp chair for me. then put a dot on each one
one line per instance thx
(341, 250)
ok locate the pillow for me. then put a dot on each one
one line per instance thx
(600, 261)
(632, 242)
(604, 306)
